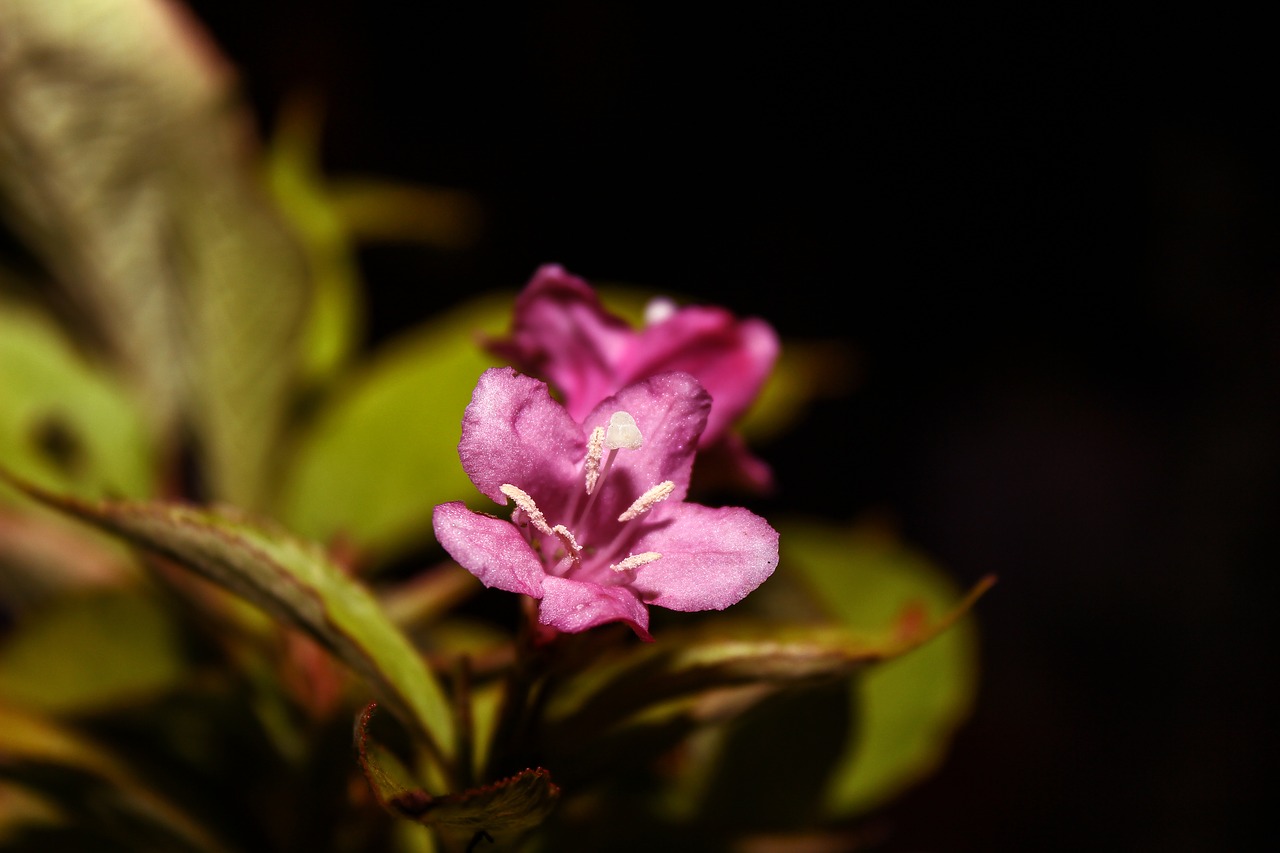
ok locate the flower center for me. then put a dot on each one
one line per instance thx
(621, 433)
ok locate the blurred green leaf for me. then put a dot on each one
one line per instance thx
(21, 810)
(382, 452)
(65, 423)
(94, 786)
(89, 652)
(776, 760)
(507, 806)
(714, 671)
(909, 708)
(293, 581)
(377, 211)
(335, 320)
(130, 172)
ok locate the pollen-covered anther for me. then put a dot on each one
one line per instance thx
(530, 509)
(645, 502)
(571, 547)
(595, 452)
(623, 432)
(635, 561)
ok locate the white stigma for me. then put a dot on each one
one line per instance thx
(522, 500)
(623, 432)
(645, 502)
(634, 561)
(595, 452)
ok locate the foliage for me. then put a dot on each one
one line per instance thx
(207, 477)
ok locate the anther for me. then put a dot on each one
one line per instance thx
(595, 451)
(572, 549)
(645, 502)
(635, 561)
(522, 500)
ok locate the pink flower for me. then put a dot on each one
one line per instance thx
(600, 527)
(562, 333)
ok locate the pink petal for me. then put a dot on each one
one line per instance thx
(671, 410)
(513, 432)
(574, 606)
(563, 333)
(731, 358)
(491, 549)
(711, 558)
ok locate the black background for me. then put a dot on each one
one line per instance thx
(1050, 236)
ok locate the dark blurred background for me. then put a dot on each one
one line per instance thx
(1050, 235)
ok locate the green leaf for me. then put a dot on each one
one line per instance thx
(507, 806)
(89, 652)
(336, 317)
(776, 760)
(713, 672)
(65, 423)
(382, 451)
(909, 708)
(130, 173)
(94, 785)
(293, 581)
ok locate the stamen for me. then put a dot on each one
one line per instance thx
(645, 502)
(623, 432)
(572, 549)
(522, 500)
(595, 450)
(635, 561)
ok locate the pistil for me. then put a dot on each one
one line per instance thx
(622, 433)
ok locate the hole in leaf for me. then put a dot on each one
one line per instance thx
(56, 442)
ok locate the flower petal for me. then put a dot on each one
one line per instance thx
(563, 333)
(491, 549)
(513, 432)
(711, 557)
(731, 358)
(671, 410)
(574, 606)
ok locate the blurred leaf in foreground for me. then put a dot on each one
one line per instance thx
(108, 805)
(89, 652)
(294, 582)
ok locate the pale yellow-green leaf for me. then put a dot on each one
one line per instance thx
(335, 320)
(908, 708)
(382, 452)
(66, 422)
